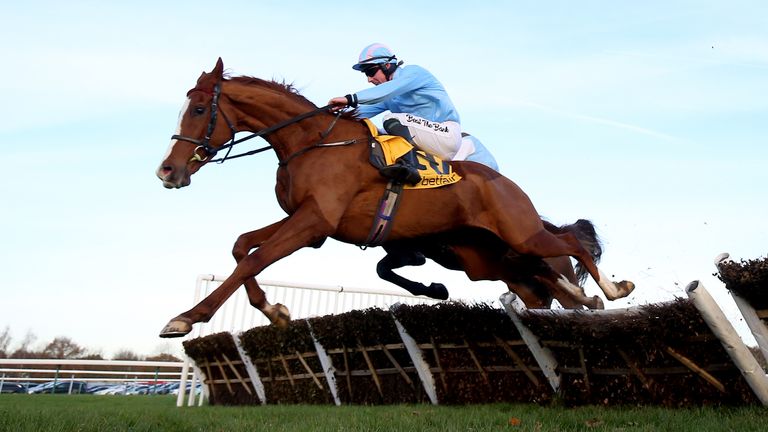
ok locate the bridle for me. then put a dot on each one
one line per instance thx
(210, 151)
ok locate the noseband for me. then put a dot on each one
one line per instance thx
(210, 151)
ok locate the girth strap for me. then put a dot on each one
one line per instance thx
(385, 214)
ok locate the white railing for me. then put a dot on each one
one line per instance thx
(89, 371)
(303, 300)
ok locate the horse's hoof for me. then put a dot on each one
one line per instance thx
(418, 259)
(281, 316)
(177, 327)
(625, 287)
(438, 291)
(598, 303)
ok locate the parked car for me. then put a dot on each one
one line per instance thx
(11, 387)
(94, 389)
(34, 388)
(137, 389)
(112, 390)
(60, 387)
(157, 388)
(168, 387)
(198, 389)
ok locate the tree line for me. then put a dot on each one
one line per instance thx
(64, 348)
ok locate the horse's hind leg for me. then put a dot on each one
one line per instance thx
(570, 296)
(546, 245)
(400, 257)
(562, 265)
(537, 282)
(612, 290)
(530, 296)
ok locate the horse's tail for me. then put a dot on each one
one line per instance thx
(585, 232)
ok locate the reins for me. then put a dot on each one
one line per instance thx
(268, 131)
(205, 145)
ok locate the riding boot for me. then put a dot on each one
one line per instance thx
(405, 168)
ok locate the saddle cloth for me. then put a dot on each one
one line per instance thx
(386, 149)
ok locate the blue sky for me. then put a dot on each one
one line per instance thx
(649, 119)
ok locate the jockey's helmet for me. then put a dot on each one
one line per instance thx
(374, 54)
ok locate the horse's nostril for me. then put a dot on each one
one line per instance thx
(166, 170)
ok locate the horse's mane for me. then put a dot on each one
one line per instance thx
(279, 87)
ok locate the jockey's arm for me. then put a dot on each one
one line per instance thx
(370, 110)
(363, 111)
(405, 81)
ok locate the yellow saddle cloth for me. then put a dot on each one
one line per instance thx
(434, 171)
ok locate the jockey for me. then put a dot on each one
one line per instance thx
(419, 111)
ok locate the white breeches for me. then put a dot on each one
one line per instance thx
(440, 139)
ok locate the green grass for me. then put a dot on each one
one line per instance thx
(41, 413)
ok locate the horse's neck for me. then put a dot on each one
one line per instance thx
(259, 112)
(263, 108)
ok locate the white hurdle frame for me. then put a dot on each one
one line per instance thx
(756, 325)
(742, 357)
(237, 315)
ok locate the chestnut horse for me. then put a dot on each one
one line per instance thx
(329, 189)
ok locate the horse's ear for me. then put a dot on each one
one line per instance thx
(208, 80)
(218, 70)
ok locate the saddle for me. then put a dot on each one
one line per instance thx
(386, 149)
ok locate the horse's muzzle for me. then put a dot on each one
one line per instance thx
(173, 178)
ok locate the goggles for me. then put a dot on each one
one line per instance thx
(371, 71)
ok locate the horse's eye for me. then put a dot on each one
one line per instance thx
(198, 110)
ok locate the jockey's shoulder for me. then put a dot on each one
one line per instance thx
(413, 69)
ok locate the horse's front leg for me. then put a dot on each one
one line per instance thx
(278, 314)
(303, 228)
